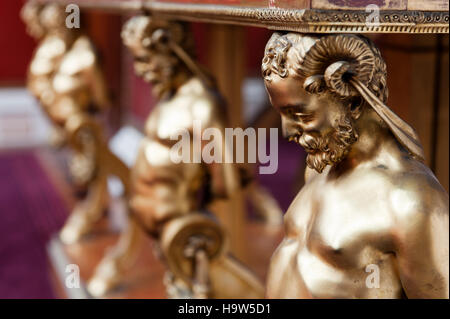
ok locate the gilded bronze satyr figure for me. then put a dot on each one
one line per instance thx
(370, 207)
(65, 77)
(166, 197)
(48, 54)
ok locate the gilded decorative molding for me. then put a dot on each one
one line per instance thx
(299, 20)
(322, 21)
(311, 21)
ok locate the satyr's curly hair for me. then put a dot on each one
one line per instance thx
(30, 15)
(317, 59)
(149, 33)
(53, 17)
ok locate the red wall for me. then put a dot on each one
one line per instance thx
(16, 47)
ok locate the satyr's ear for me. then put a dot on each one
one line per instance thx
(356, 104)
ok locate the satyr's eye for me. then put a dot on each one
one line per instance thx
(303, 117)
(289, 111)
(296, 113)
(141, 59)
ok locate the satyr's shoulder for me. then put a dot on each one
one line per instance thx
(202, 104)
(50, 47)
(415, 194)
(82, 56)
(83, 43)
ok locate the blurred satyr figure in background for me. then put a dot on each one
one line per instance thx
(46, 59)
(371, 220)
(169, 199)
(65, 77)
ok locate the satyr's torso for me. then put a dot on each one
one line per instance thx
(72, 81)
(337, 229)
(43, 66)
(162, 188)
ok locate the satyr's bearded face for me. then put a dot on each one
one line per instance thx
(157, 69)
(154, 61)
(30, 15)
(53, 17)
(321, 123)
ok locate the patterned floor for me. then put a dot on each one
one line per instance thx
(30, 211)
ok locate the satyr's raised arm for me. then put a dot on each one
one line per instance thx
(98, 88)
(422, 242)
(224, 176)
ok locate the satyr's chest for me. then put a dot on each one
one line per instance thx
(341, 220)
(47, 57)
(182, 115)
(70, 73)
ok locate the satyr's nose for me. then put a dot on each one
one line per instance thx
(289, 127)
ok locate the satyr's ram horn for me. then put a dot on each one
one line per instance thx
(351, 73)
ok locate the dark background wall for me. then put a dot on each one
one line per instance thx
(16, 46)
